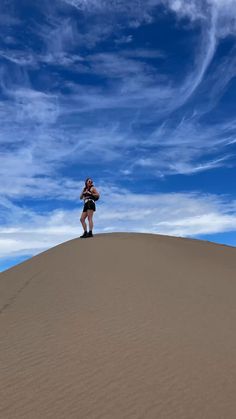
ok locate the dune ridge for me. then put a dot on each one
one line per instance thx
(124, 325)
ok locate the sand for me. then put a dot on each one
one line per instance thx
(134, 326)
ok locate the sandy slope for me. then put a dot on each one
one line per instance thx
(120, 326)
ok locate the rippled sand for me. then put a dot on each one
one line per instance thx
(120, 326)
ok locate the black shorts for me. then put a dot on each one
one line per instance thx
(89, 205)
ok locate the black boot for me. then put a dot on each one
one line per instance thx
(84, 235)
(90, 234)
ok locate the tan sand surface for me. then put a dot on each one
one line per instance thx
(134, 326)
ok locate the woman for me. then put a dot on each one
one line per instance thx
(89, 194)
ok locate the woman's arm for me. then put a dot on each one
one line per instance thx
(81, 195)
(94, 192)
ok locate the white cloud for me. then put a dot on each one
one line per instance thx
(188, 168)
(34, 154)
(210, 223)
(171, 214)
(217, 18)
(196, 10)
(187, 148)
(35, 126)
(126, 39)
(142, 85)
(35, 105)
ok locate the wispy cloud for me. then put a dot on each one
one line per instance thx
(171, 214)
(187, 148)
(62, 35)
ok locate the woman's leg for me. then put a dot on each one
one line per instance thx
(82, 220)
(90, 219)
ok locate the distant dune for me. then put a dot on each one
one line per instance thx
(120, 326)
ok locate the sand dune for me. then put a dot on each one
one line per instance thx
(120, 326)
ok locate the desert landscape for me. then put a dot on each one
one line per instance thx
(120, 326)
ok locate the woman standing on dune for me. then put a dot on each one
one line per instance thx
(89, 194)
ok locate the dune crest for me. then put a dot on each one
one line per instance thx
(124, 325)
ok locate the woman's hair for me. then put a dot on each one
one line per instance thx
(88, 178)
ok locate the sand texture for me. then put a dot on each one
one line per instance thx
(121, 326)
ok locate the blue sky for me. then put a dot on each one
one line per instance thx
(138, 95)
